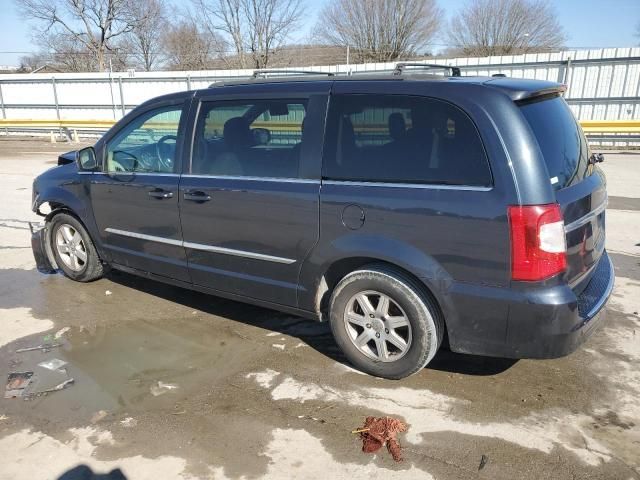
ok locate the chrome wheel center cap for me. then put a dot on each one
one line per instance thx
(377, 325)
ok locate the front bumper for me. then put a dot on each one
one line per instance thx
(549, 322)
(39, 246)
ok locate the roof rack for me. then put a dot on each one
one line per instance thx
(400, 67)
(284, 73)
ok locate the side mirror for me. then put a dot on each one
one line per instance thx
(261, 136)
(87, 159)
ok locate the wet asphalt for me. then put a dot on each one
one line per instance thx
(170, 383)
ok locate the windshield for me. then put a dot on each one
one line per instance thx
(561, 140)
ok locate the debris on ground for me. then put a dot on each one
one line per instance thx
(108, 292)
(45, 347)
(53, 364)
(17, 382)
(377, 432)
(99, 415)
(50, 376)
(3, 417)
(129, 422)
(162, 387)
(61, 332)
(57, 388)
(483, 461)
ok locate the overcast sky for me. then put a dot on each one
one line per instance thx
(588, 23)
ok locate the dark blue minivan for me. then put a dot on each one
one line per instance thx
(404, 209)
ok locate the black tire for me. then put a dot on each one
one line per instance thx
(424, 317)
(91, 269)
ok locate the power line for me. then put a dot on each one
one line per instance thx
(284, 49)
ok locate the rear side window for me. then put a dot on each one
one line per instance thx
(402, 139)
(563, 145)
(261, 138)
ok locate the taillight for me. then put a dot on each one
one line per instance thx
(538, 244)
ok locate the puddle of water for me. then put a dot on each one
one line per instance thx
(117, 368)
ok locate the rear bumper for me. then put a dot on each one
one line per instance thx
(548, 322)
(39, 248)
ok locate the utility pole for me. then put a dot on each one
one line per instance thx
(113, 101)
(348, 68)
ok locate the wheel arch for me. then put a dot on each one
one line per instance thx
(57, 207)
(340, 268)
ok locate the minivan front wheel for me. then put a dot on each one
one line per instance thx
(384, 322)
(73, 249)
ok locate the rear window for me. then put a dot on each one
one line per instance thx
(402, 139)
(561, 140)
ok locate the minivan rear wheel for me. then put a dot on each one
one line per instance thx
(384, 322)
(73, 249)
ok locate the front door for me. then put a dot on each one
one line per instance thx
(249, 204)
(135, 197)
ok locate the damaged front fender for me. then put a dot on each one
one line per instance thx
(41, 247)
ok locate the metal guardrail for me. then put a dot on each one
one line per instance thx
(55, 124)
(610, 126)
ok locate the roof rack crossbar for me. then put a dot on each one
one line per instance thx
(284, 73)
(400, 67)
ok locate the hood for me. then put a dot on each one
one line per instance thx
(68, 157)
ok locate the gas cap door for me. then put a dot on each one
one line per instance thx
(353, 217)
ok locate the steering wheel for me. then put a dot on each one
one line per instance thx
(165, 155)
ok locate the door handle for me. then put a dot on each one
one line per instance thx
(160, 193)
(196, 196)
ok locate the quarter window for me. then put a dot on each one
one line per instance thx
(402, 139)
(254, 139)
(147, 144)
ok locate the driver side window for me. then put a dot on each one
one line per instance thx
(147, 144)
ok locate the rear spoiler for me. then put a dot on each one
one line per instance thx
(523, 90)
(554, 91)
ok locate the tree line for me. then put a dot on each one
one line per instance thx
(98, 35)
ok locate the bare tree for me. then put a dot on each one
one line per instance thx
(31, 62)
(188, 48)
(91, 25)
(145, 38)
(226, 17)
(64, 54)
(253, 28)
(504, 27)
(381, 30)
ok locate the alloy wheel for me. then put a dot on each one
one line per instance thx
(377, 326)
(71, 248)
